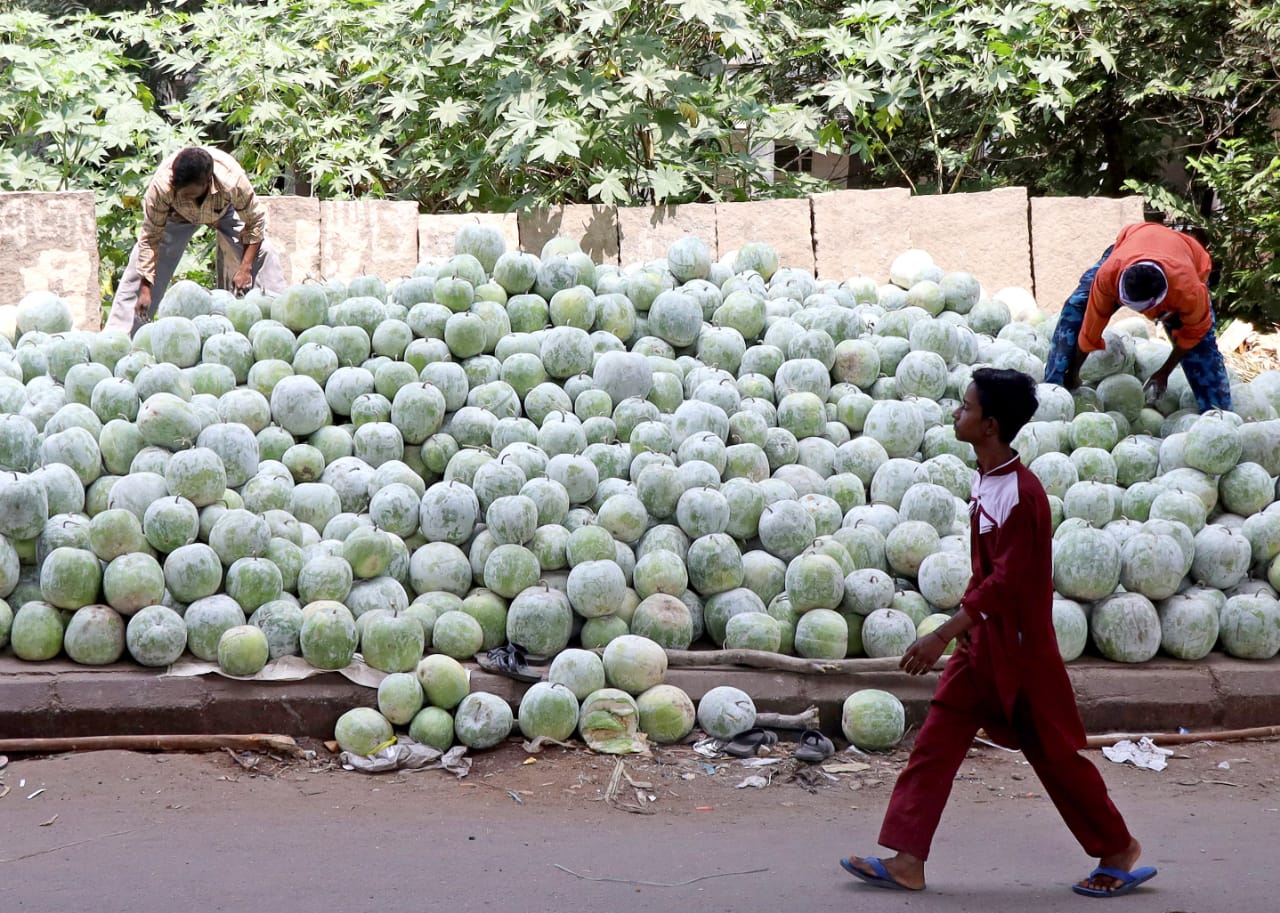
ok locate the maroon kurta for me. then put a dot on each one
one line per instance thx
(1012, 644)
(1008, 677)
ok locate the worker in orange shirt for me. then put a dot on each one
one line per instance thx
(1164, 275)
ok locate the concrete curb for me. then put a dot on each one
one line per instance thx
(1162, 695)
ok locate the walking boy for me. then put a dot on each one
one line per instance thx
(1006, 675)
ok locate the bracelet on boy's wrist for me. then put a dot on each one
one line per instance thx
(938, 635)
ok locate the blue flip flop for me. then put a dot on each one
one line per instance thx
(881, 878)
(1128, 881)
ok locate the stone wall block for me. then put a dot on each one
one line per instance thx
(593, 226)
(293, 227)
(49, 242)
(363, 237)
(436, 231)
(1068, 235)
(786, 225)
(987, 234)
(645, 232)
(859, 232)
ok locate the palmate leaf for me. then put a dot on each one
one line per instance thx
(563, 140)
(796, 123)
(650, 76)
(590, 90)
(1008, 120)
(525, 116)
(523, 17)
(560, 48)
(666, 181)
(850, 92)
(597, 15)
(1052, 70)
(477, 44)
(1101, 53)
(65, 122)
(400, 102)
(609, 189)
(885, 47)
(450, 112)
(836, 42)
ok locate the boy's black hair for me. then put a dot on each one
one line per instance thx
(1007, 396)
(1142, 282)
(192, 165)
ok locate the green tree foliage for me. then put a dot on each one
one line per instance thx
(489, 105)
(1213, 105)
(506, 104)
(932, 93)
(75, 114)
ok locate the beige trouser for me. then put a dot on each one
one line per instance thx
(268, 275)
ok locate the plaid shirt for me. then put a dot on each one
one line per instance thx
(230, 190)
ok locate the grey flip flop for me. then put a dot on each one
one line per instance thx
(814, 747)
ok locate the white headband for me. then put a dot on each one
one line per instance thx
(1150, 302)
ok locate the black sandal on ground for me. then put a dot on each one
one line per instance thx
(814, 747)
(746, 744)
(509, 660)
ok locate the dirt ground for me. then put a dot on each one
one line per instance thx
(672, 781)
(566, 827)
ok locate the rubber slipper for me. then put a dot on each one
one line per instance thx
(1128, 881)
(881, 878)
(814, 747)
(745, 744)
(509, 661)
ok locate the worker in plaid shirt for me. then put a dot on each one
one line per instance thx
(195, 186)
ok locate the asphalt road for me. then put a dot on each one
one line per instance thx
(153, 834)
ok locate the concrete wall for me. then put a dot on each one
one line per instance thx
(786, 224)
(48, 241)
(293, 225)
(987, 234)
(859, 232)
(645, 232)
(368, 237)
(594, 227)
(437, 231)
(1068, 235)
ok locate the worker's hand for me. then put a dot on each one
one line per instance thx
(1156, 386)
(143, 304)
(922, 654)
(243, 279)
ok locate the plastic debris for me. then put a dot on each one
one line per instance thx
(1143, 753)
(407, 754)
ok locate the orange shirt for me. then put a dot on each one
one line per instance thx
(1186, 266)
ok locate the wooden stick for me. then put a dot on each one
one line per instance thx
(761, 659)
(807, 720)
(1184, 738)
(256, 742)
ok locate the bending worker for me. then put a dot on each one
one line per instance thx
(1163, 274)
(195, 186)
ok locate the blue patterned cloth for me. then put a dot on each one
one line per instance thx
(1203, 366)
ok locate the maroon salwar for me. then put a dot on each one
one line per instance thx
(1006, 677)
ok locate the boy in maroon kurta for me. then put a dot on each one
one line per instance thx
(1006, 675)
